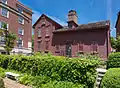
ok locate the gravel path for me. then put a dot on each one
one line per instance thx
(13, 84)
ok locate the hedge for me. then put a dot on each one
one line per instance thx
(113, 60)
(74, 70)
(111, 79)
(1, 83)
(61, 84)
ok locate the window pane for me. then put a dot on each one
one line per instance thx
(20, 10)
(20, 42)
(20, 31)
(21, 20)
(39, 44)
(4, 12)
(4, 1)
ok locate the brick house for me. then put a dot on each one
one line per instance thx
(117, 26)
(91, 38)
(18, 19)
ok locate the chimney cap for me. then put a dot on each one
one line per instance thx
(72, 11)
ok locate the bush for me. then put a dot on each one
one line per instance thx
(2, 72)
(74, 70)
(61, 84)
(113, 60)
(46, 82)
(34, 80)
(1, 83)
(111, 79)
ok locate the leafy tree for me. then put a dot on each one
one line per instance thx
(118, 44)
(113, 42)
(9, 42)
(9, 38)
(33, 42)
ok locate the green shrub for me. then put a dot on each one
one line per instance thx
(113, 60)
(1, 83)
(34, 80)
(111, 79)
(46, 82)
(2, 72)
(61, 84)
(74, 70)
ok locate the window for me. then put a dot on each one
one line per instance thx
(21, 20)
(47, 45)
(47, 32)
(39, 44)
(94, 46)
(20, 31)
(5, 12)
(4, 25)
(20, 42)
(20, 10)
(39, 32)
(80, 46)
(57, 47)
(4, 1)
(2, 39)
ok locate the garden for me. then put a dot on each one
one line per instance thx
(48, 71)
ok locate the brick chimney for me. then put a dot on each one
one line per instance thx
(72, 16)
(72, 19)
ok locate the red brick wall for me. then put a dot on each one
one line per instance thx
(100, 36)
(14, 24)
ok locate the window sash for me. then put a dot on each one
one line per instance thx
(47, 45)
(20, 31)
(39, 44)
(80, 46)
(21, 20)
(5, 12)
(20, 43)
(20, 10)
(4, 1)
(94, 46)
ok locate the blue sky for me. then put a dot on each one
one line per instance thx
(87, 10)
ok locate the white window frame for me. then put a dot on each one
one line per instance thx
(3, 1)
(1, 23)
(20, 29)
(4, 9)
(39, 32)
(19, 17)
(18, 42)
(20, 10)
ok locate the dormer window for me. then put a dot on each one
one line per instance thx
(4, 1)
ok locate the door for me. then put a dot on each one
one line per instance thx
(68, 50)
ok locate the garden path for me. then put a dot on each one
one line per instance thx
(13, 84)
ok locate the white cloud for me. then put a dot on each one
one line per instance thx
(37, 14)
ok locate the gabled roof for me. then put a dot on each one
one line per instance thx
(117, 19)
(101, 24)
(91, 26)
(47, 18)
